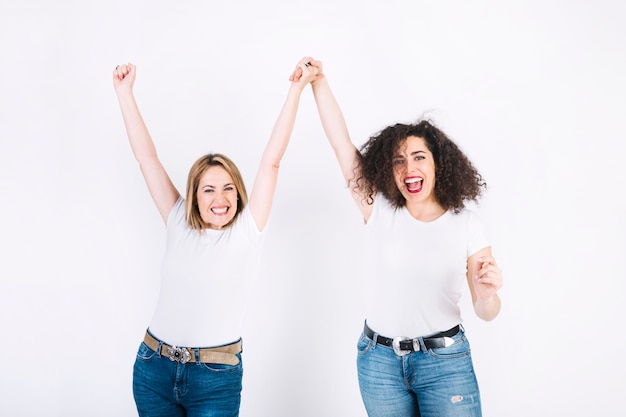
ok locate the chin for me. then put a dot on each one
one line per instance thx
(222, 222)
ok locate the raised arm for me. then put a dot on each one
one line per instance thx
(262, 194)
(159, 183)
(336, 131)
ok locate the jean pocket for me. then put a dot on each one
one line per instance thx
(144, 353)
(223, 367)
(459, 349)
(363, 345)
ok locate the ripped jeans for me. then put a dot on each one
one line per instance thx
(436, 382)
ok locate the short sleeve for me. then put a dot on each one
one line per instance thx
(478, 234)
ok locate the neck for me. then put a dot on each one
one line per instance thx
(425, 212)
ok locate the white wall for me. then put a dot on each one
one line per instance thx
(533, 92)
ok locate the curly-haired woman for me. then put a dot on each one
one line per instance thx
(411, 184)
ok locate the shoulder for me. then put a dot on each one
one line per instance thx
(474, 218)
(380, 207)
(478, 233)
(466, 222)
(466, 214)
(246, 225)
(177, 212)
(382, 204)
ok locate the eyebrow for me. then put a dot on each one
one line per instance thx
(213, 186)
(411, 154)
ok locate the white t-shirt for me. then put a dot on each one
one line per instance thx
(419, 269)
(205, 280)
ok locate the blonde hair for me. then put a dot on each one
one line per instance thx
(192, 213)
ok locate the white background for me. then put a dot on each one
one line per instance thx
(532, 91)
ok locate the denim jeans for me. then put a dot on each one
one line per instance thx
(163, 388)
(428, 383)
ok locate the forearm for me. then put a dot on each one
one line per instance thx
(336, 131)
(140, 140)
(331, 116)
(267, 175)
(281, 132)
(487, 309)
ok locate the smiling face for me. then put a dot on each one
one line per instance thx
(217, 197)
(414, 171)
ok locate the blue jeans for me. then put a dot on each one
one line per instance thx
(163, 388)
(428, 383)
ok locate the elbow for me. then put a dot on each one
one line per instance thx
(487, 317)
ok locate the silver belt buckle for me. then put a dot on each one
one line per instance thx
(396, 345)
(180, 355)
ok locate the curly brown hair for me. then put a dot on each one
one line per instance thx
(456, 179)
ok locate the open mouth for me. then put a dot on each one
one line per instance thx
(219, 210)
(414, 184)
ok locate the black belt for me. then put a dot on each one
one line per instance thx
(402, 345)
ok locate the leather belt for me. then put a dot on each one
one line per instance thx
(222, 354)
(404, 345)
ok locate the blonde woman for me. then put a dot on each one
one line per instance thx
(190, 360)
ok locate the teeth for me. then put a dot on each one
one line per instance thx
(219, 210)
(412, 180)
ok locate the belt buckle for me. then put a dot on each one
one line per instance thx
(180, 355)
(395, 344)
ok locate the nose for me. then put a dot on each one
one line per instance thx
(220, 196)
(412, 165)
